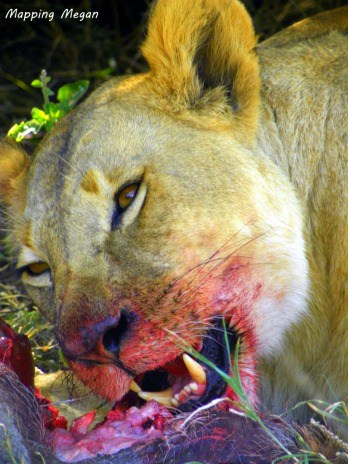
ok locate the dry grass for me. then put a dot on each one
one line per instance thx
(17, 310)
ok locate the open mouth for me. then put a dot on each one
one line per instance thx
(146, 412)
(187, 383)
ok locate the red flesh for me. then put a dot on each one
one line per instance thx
(119, 430)
(15, 352)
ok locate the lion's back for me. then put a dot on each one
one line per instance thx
(311, 28)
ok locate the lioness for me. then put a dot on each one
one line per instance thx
(211, 189)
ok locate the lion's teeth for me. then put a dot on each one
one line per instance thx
(161, 394)
(164, 401)
(195, 369)
(162, 397)
(174, 402)
(148, 397)
(135, 387)
(193, 386)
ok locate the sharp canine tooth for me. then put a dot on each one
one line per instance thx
(193, 386)
(135, 387)
(161, 394)
(174, 402)
(164, 397)
(196, 370)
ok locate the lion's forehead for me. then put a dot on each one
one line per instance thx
(112, 141)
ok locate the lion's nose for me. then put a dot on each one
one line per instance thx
(114, 336)
(99, 339)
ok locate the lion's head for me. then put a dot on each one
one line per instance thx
(148, 216)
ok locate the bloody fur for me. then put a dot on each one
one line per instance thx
(205, 290)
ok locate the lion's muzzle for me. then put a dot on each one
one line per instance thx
(99, 342)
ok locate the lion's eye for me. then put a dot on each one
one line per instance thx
(123, 200)
(126, 196)
(36, 269)
(36, 274)
(128, 202)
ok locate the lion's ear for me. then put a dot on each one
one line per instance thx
(203, 50)
(14, 164)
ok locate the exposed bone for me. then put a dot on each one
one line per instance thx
(195, 369)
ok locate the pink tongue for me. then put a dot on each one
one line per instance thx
(119, 430)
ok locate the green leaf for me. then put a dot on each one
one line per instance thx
(52, 109)
(48, 92)
(103, 73)
(54, 113)
(49, 124)
(40, 116)
(24, 130)
(70, 94)
(36, 83)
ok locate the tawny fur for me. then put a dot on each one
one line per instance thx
(242, 151)
(14, 164)
(309, 62)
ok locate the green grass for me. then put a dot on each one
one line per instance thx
(17, 310)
